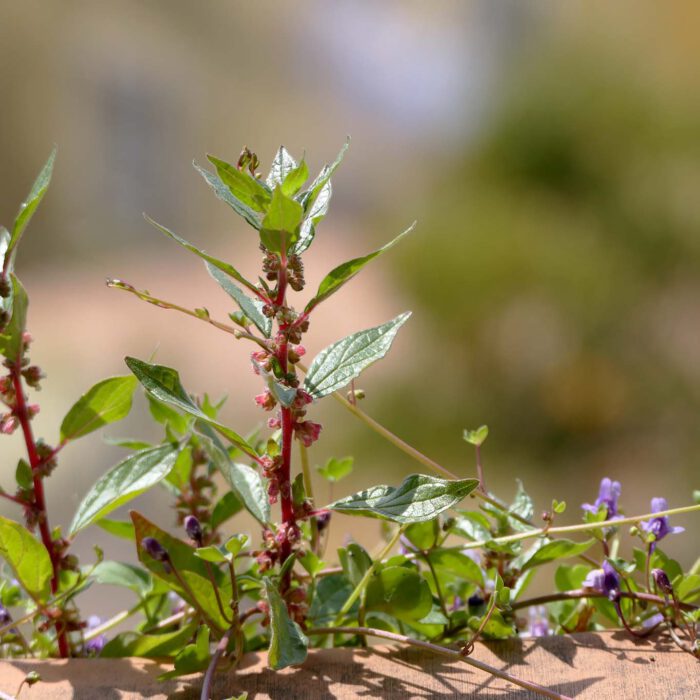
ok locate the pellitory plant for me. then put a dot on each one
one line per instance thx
(206, 597)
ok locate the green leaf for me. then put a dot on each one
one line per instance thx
(312, 563)
(474, 526)
(191, 569)
(458, 565)
(193, 658)
(27, 557)
(399, 591)
(11, 342)
(118, 528)
(295, 179)
(127, 443)
(226, 507)
(242, 186)
(280, 227)
(163, 383)
(522, 506)
(229, 269)
(234, 544)
(424, 535)
(476, 437)
(418, 498)
(130, 478)
(245, 481)
(225, 195)
(556, 549)
(23, 475)
(288, 644)
(149, 646)
(570, 577)
(336, 469)
(30, 204)
(282, 165)
(329, 597)
(252, 308)
(106, 402)
(115, 573)
(316, 201)
(211, 553)
(337, 277)
(339, 363)
(355, 562)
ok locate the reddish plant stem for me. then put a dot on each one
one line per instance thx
(286, 502)
(35, 462)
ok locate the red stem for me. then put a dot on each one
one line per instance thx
(36, 462)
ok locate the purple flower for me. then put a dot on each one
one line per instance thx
(608, 493)
(659, 527)
(604, 580)
(96, 644)
(193, 528)
(5, 617)
(538, 625)
(662, 582)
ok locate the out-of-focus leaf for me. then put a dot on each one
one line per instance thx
(556, 549)
(288, 644)
(399, 591)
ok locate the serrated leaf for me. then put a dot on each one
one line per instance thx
(419, 497)
(242, 186)
(243, 480)
(130, 478)
(11, 342)
(337, 277)
(282, 165)
(229, 269)
(106, 402)
(29, 206)
(28, 558)
(336, 469)
(288, 644)
(340, 363)
(224, 194)
(163, 383)
(399, 591)
(556, 549)
(280, 227)
(252, 308)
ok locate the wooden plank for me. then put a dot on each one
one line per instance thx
(607, 666)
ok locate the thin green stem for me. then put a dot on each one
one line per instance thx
(113, 622)
(581, 593)
(444, 651)
(368, 574)
(582, 527)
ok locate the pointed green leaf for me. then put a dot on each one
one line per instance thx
(295, 179)
(27, 557)
(339, 363)
(118, 528)
(106, 402)
(252, 308)
(30, 204)
(556, 549)
(245, 481)
(457, 564)
(191, 569)
(288, 644)
(11, 342)
(224, 194)
(242, 185)
(336, 278)
(223, 266)
(116, 573)
(130, 478)
(418, 498)
(153, 646)
(191, 659)
(163, 383)
(280, 227)
(282, 165)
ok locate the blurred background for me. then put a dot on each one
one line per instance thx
(550, 152)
